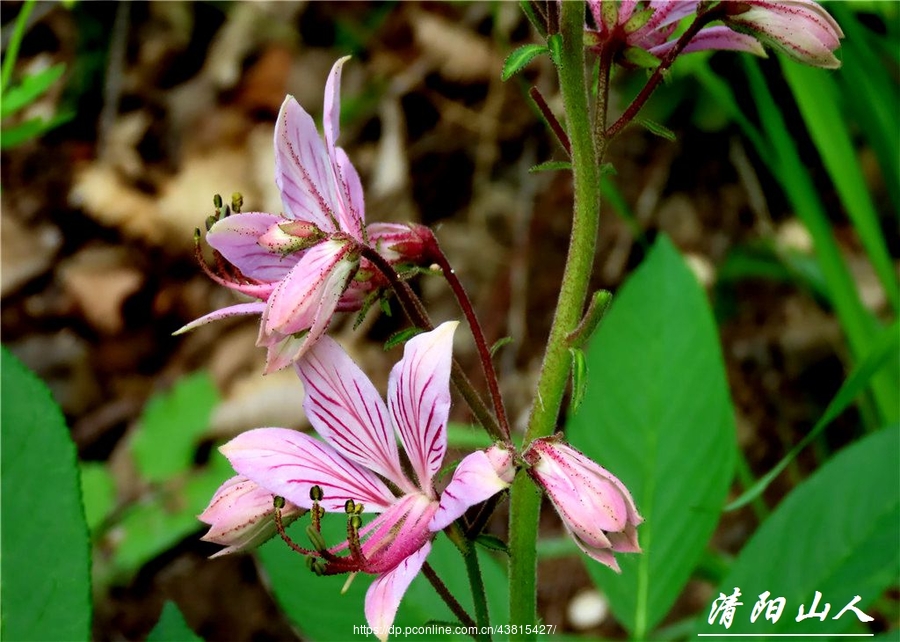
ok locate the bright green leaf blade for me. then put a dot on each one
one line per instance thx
(883, 350)
(836, 533)
(46, 588)
(171, 425)
(657, 414)
(519, 59)
(816, 94)
(171, 627)
(30, 89)
(31, 128)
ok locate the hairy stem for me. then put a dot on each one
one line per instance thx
(484, 351)
(417, 315)
(524, 499)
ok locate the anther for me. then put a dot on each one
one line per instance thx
(316, 494)
(237, 202)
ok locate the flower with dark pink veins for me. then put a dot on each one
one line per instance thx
(304, 265)
(596, 508)
(241, 516)
(357, 466)
(631, 26)
(802, 29)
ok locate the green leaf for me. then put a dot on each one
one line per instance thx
(785, 164)
(492, 543)
(171, 627)
(400, 337)
(554, 42)
(171, 425)
(550, 166)
(883, 350)
(31, 128)
(836, 533)
(499, 343)
(657, 129)
(46, 588)
(319, 609)
(657, 414)
(816, 93)
(519, 58)
(163, 519)
(30, 89)
(99, 491)
(579, 378)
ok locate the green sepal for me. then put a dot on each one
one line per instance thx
(638, 20)
(641, 58)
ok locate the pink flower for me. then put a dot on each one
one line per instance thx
(802, 29)
(241, 516)
(595, 507)
(303, 265)
(360, 450)
(650, 26)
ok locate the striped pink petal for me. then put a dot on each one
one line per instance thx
(419, 400)
(231, 311)
(346, 410)
(479, 476)
(290, 463)
(384, 595)
(236, 237)
(310, 292)
(303, 171)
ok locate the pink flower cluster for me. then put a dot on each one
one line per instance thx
(302, 266)
(800, 28)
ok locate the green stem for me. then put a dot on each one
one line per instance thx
(484, 352)
(476, 581)
(12, 51)
(525, 500)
